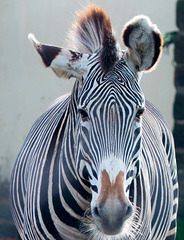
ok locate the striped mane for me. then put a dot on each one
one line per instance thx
(91, 31)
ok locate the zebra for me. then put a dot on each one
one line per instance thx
(100, 162)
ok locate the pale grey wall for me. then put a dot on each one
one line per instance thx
(27, 88)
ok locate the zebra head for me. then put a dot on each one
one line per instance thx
(108, 109)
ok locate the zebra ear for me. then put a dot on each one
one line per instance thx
(63, 62)
(144, 42)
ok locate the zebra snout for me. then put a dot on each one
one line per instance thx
(110, 218)
(112, 207)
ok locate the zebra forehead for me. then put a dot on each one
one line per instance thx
(109, 93)
(118, 80)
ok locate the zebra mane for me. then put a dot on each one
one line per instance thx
(91, 31)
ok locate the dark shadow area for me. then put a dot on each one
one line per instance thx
(178, 110)
(7, 227)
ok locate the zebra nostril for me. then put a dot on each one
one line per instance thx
(128, 212)
(96, 213)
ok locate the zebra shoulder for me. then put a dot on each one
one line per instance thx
(43, 129)
(40, 134)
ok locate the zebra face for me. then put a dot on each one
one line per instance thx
(106, 110)
(108, 142)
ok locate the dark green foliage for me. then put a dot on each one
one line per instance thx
(169, 38)
(180, 232)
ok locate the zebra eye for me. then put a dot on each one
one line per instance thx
(84, 115)
(140, 112)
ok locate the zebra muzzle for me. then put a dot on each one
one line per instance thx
(112, 207)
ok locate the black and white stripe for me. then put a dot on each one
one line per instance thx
(97, 132)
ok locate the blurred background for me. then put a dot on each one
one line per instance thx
(27, 88)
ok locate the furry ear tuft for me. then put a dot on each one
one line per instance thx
(91, 31)
(144, 42)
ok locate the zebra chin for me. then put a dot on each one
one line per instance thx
(111, 217)
(96, 230)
